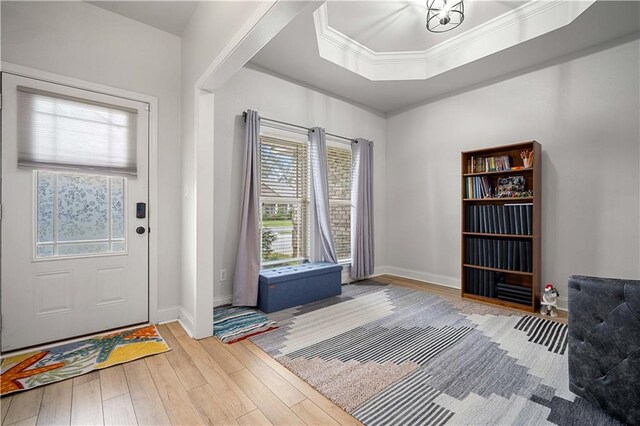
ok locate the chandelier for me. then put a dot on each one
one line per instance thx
(443, 15)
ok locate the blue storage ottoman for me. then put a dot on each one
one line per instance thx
(289, 286)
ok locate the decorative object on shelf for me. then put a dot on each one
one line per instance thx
(511, 186)
(549, 301)
(443, 15)
(527, 158)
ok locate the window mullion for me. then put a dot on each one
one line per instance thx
(55, 213)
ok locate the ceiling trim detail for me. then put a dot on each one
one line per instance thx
(524, 23)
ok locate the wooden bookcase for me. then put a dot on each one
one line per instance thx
(522, 279)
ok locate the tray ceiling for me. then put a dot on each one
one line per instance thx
(391, 26)
(294, 54)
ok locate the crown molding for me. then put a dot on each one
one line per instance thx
(524, 23)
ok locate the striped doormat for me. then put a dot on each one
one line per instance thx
(232, 324)
(392, 355)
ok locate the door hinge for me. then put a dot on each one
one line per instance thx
(0, 211)
(0, 100)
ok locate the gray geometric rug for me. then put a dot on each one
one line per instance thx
(391, 355)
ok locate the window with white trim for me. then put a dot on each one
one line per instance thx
(284, 200)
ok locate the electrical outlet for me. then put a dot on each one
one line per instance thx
(223, 274)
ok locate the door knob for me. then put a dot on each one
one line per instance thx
(140, 230)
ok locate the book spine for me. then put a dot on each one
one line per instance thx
(510, 260)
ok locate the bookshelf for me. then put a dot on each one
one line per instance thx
(500, 227)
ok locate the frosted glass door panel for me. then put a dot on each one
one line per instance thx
(79, 214)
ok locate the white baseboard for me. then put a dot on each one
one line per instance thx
(563, 304)
(222, 300)
(379, 270)
(186, 321)
(441, 280)
(168, 314)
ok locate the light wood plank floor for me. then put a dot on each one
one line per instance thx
(455, 293)
(197, 382)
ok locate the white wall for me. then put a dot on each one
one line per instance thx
(280, 100)
(70, 38)
(585, 112)
(211, 27)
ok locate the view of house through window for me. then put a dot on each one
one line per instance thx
(339, 171)
(284, 200)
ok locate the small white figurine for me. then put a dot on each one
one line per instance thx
(549, 301)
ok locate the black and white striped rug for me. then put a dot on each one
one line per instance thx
(392, 355)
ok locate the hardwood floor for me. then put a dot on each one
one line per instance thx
(455, 293)
(197, 382)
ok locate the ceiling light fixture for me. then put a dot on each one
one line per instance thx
(443, 15)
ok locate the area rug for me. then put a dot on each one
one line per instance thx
(232, 324)
(56, 363)
(391, 355)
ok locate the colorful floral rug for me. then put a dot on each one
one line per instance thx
(32, 369)
(232, 324)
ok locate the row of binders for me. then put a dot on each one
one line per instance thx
(513, 293)
(501, 254)
(480, 282)
(478, 187)
(514, 219)
(491, 284)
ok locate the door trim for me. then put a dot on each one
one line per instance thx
(155, 314)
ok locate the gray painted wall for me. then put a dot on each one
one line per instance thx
(280, 100)
(585, 112)
(69, 38)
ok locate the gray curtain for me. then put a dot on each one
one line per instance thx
(362, 256)
(322, 248)
(245, 283)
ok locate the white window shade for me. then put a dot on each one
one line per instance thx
(62, 132)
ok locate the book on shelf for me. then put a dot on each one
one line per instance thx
(477, 164)
(513, 293)
(481, 282)
(498, 253)
(478, 187)
(513, 219)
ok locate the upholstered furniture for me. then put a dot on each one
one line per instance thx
(289, 286)
(604, 344)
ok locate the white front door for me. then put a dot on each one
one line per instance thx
(74, 240)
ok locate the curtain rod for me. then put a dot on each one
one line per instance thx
(244, 115)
